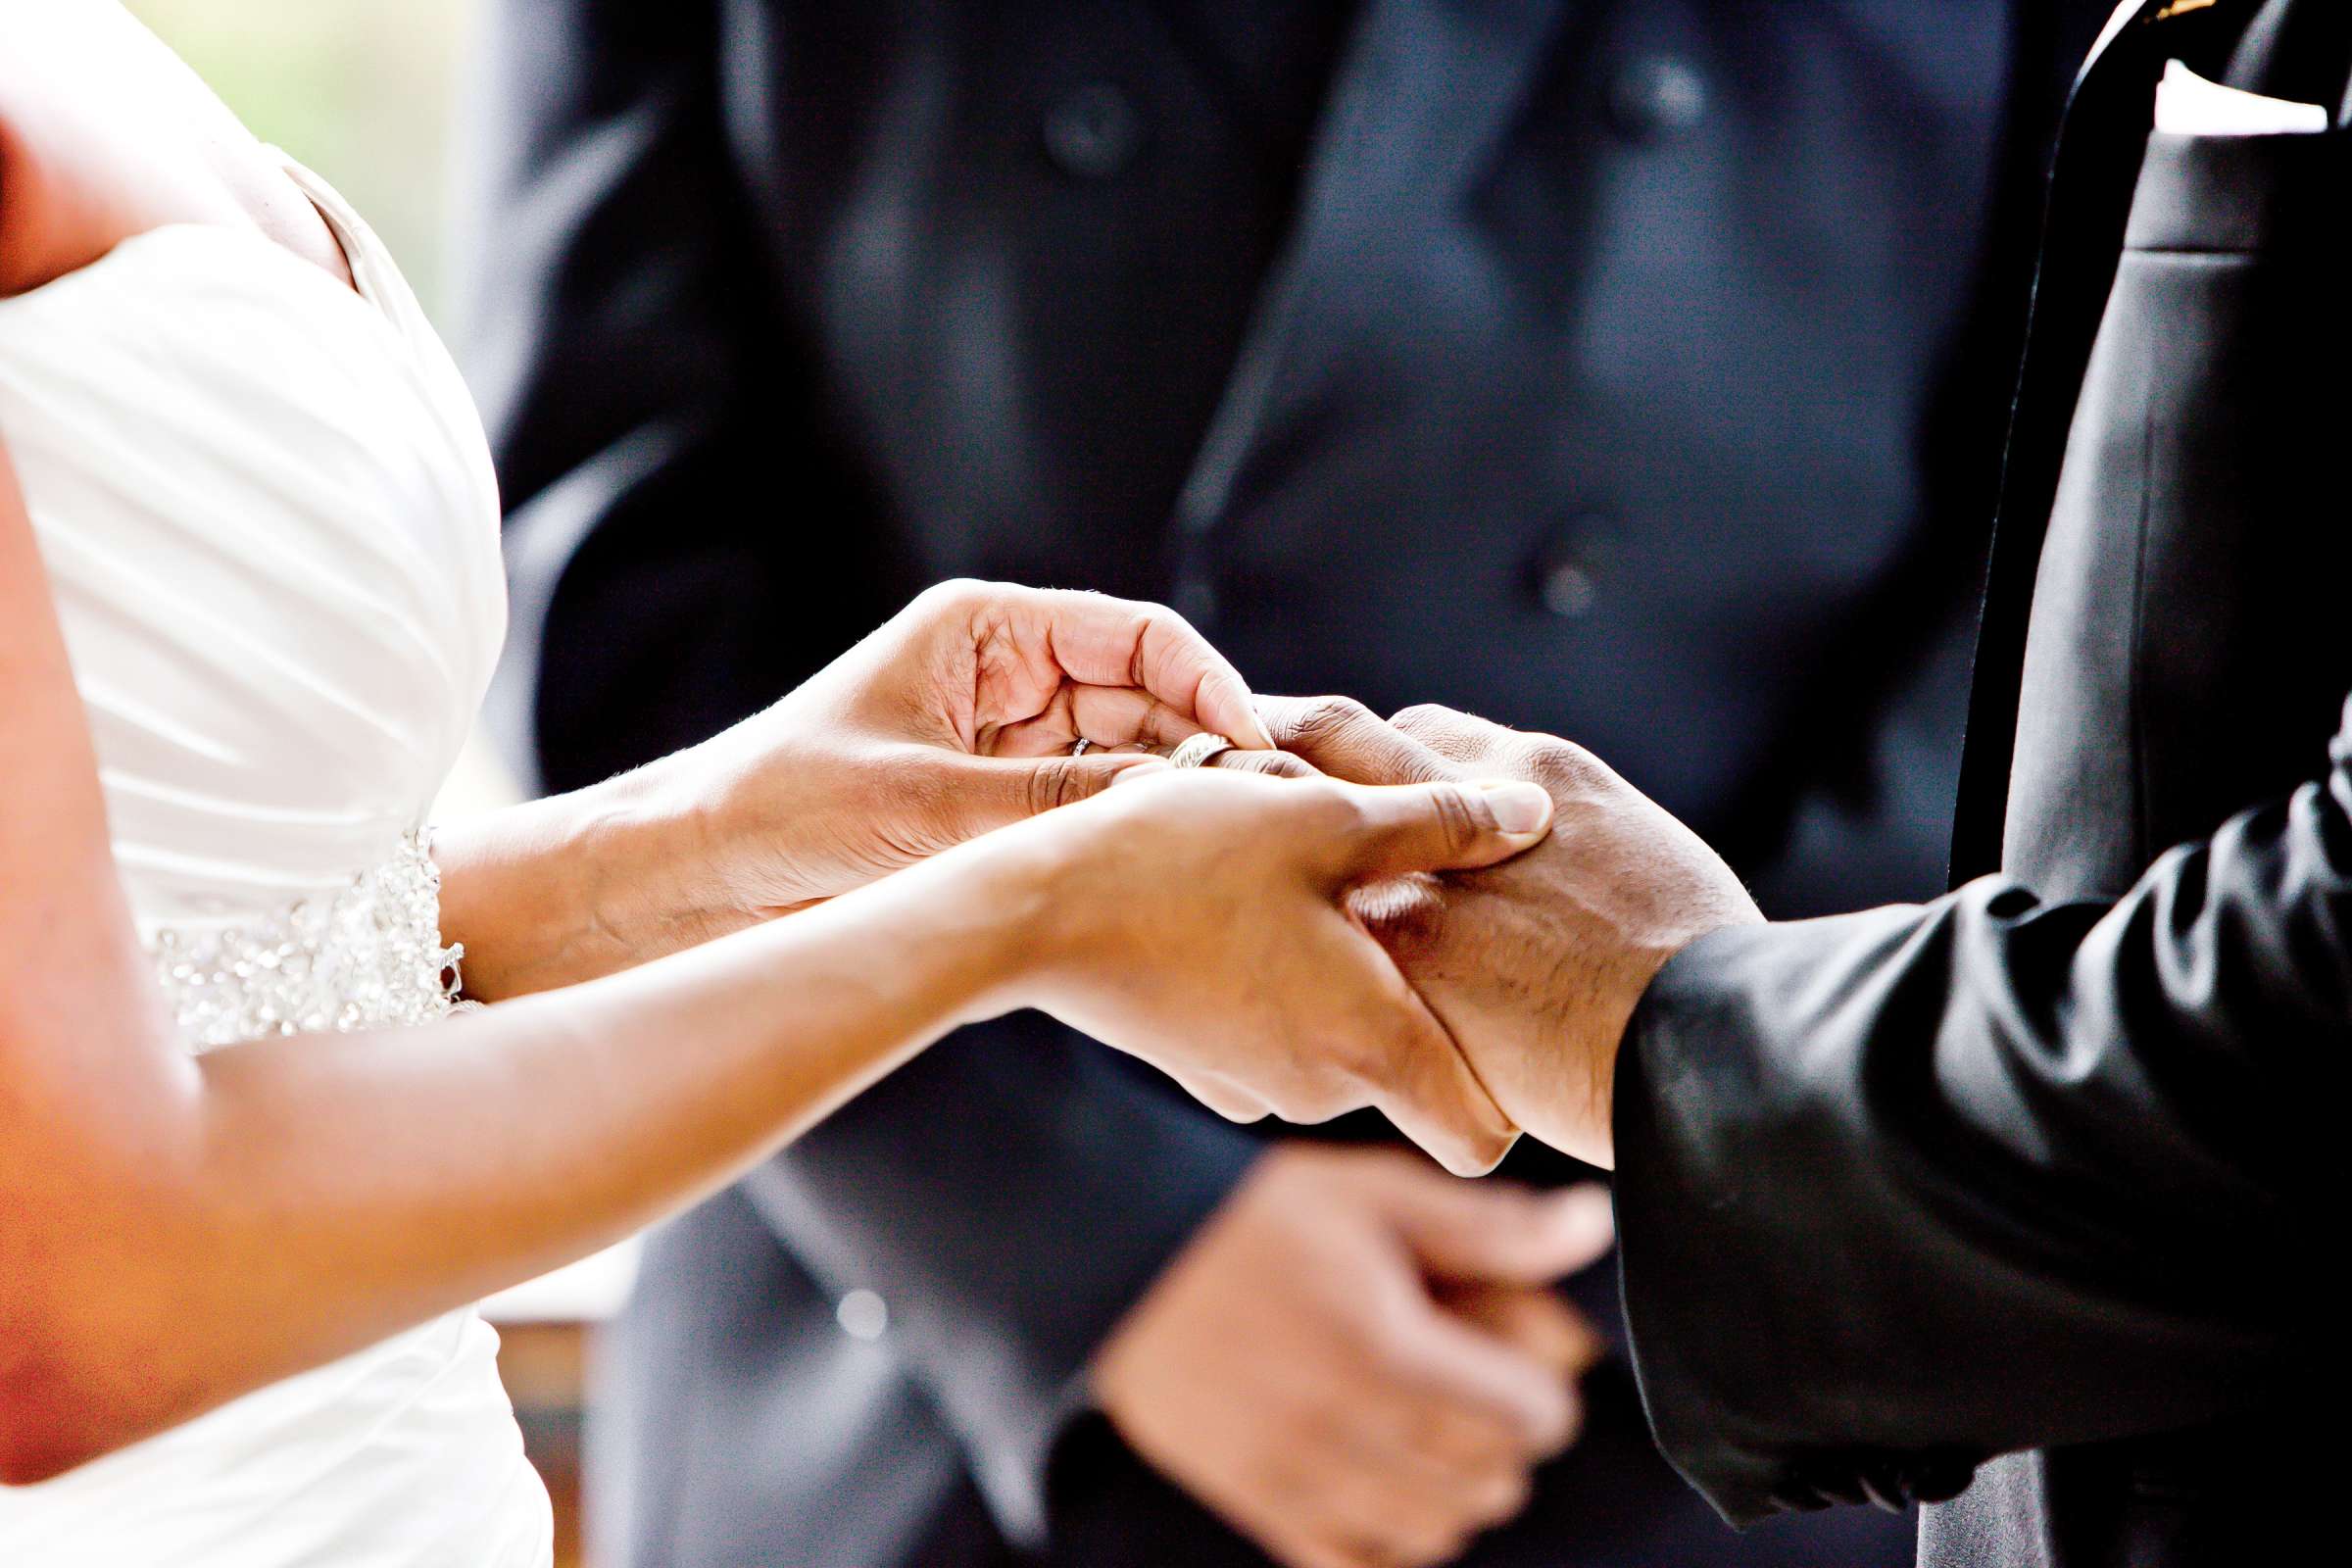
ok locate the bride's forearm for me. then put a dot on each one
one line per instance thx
(566, 889)
(300, 1198)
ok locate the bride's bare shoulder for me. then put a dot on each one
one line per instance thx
(106, 134)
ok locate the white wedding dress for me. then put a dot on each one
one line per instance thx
(267, 510)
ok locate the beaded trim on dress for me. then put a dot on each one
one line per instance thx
(368, 956)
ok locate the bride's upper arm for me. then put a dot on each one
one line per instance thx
(93, 1096)
(62, 898)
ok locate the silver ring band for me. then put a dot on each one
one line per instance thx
(1198, 750)
(1081, 747)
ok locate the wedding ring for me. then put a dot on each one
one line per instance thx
(1081, 747)
(1198, 750)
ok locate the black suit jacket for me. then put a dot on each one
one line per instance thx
(1635, 369)
(2053, 1164)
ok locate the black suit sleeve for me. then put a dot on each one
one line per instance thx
(1901, 1190)
(685, 545)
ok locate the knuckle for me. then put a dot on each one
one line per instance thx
(1434, 1544)
(1426, 716)
(1329, 1098)
(1504, 1498)
(1230, 1102)
(1309, 1095)
(1558, 764)
(951, 592)
(1156, 620)
(1553, 1426)
(1328, 717)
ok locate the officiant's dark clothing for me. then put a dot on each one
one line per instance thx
(2056, 1164)
(1633, 371)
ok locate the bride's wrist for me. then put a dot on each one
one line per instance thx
(560, 890)
(662, 847)
(1013, 893)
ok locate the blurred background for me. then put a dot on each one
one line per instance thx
(367, 92)
(362, 90)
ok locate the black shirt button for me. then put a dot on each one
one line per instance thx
(1569, 591)
(1565, 574)
(1655, 95)
(1093, 133)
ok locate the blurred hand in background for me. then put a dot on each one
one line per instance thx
(1361, 1359)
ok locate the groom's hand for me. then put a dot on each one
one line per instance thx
(1534, 965)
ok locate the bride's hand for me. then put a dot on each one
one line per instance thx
(1196, 919)
(956, 717)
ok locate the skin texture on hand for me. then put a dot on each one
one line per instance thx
(1359, 1361)
(954, 718)
(1536, 966)
(958, 716)
(1196, 920)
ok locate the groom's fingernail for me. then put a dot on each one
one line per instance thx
(1518, 806)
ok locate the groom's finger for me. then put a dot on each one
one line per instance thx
(1274, 765)
(1460, 738)
(1404, 828)
(1344, 738)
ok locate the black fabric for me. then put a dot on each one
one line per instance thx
(2047, 1169)
(1631, 370)
(2087, 204)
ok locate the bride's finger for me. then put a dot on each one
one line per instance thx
(1100, 640)
(991, 792)
(1107, 717)
(1397, 829)
(1223, 1097)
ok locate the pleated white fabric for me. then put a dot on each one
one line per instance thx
(267, 512)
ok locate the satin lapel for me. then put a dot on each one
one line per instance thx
(2088, 201)
(1424, 91)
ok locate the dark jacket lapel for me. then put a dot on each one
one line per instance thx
(2105, 134)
